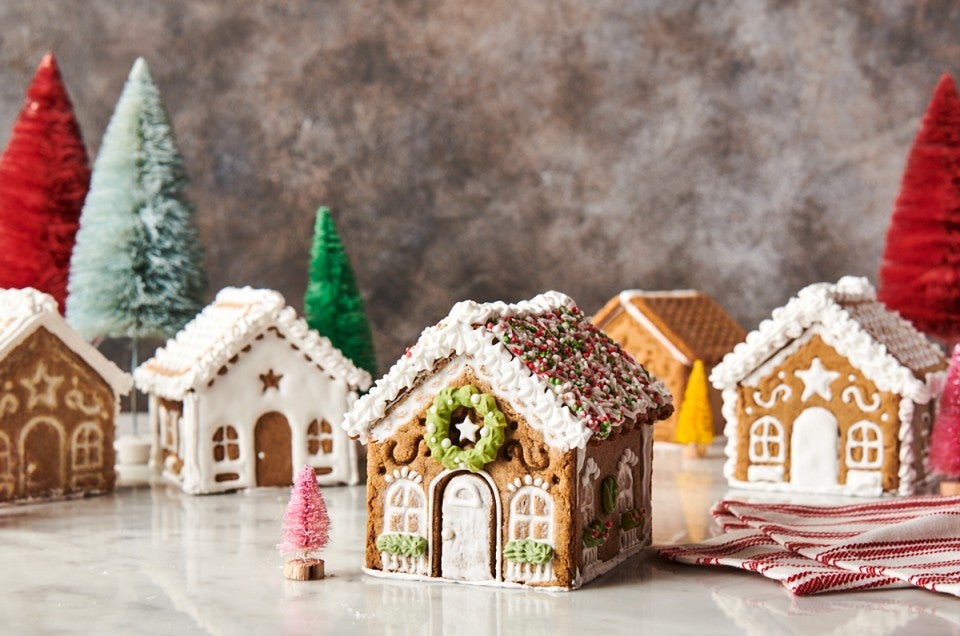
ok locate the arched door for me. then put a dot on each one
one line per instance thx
(42, 468)
(814, 456)
(271, 440)
(467, 517)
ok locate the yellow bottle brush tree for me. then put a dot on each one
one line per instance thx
(695, 421)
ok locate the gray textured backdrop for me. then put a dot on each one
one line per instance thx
(497, 149)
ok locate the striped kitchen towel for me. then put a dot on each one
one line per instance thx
(813, 549)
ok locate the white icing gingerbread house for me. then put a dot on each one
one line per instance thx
(59, 399)
(833, 394)
(510, 446)
(246, 394)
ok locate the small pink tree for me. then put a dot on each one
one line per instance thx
(945, 439)
(306, 529)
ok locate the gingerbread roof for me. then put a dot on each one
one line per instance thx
(219, 332)
(23, 311)
(689, 323)
(570, 381)
(887, 348)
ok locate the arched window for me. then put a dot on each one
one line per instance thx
(766, 441)
(169, 419)
(87, 453)
(319, 437)
(625, 468)
(404, 508)
(225, 444)
(531, 515)
(864, 446)
(6, 466)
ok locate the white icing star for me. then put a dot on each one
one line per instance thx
(468, 430)
(816, 380)
(49, 394)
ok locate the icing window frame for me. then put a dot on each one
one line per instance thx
(6, 461)
(625, 479)
(86, 447)
(870, 445)
(320, 439)
(412, 507)
(527, 524)
(225, 444)
(766, 432)
(169, 420)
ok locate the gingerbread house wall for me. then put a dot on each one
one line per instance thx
(809, 386)
(664, 365)
(626, 458)
(524, 465)
(57, 421)
(238, 431)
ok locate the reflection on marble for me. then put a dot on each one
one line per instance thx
(152, 560)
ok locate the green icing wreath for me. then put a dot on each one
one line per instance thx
(437, 433)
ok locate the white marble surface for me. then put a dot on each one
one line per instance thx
(151, 560)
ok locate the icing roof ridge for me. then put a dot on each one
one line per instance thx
(473, 313)
(22, 303)
(628, 294)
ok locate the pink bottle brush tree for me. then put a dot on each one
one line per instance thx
(944, 455)
(306, 529)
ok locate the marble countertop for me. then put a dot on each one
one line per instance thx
(152, 560)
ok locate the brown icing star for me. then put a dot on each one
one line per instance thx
(270, 380)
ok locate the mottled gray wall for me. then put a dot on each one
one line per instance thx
(496, 149)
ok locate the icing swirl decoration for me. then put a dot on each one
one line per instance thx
(491, 434)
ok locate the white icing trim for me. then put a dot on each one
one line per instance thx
(23, 311)
(219, 332)
(646, 323)
(907, 473)
(821, 304)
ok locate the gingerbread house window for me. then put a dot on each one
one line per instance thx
(6, 462)
(319, 437)
(531, 515)
(225, 444)
(87, 447)
(766, 441)
(168, 428)
(864, 446)
(625, 468)
(404, 508)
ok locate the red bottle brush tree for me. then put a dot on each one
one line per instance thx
(944, 457)
(44, 177)
(920, 271)
(306, 528)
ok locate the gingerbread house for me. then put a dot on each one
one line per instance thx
(246, 394)
(833, 394)
(59, 400)
(510, 446)
(666, 331)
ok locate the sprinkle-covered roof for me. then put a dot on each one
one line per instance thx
(544, 352)
(234, 319)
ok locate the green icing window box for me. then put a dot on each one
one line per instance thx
(408, 545)
(528, 551)
(631, 519)
(596, 533)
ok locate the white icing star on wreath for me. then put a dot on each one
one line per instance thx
(816, 380)
(48, 396)
(468, 430)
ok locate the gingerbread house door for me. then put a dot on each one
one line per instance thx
(813, 450)
(42, 444)
(467, 517)
(271, 439)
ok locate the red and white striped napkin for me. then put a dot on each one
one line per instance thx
(814, 549)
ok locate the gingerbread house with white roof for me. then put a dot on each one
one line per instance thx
(59, 400)
(246, 394)
(510, 446)
(833, 394)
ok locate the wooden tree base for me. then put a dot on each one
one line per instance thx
(950, 487)
(303, 569)
(694, 451)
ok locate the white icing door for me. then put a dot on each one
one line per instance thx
(813, 450)
(466, 525)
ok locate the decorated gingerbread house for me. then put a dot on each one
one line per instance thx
(510, 446)
(246, 394)
(833, 394)
(59, 399)
(666, 331)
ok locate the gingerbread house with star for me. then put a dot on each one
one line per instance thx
(246, 394)
(59, 400)
(833, 394)
(667, 331)
(511, 446)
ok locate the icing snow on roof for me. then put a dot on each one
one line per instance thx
(542, 352)
(887, 348)
(234, 319)
(23, 311)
